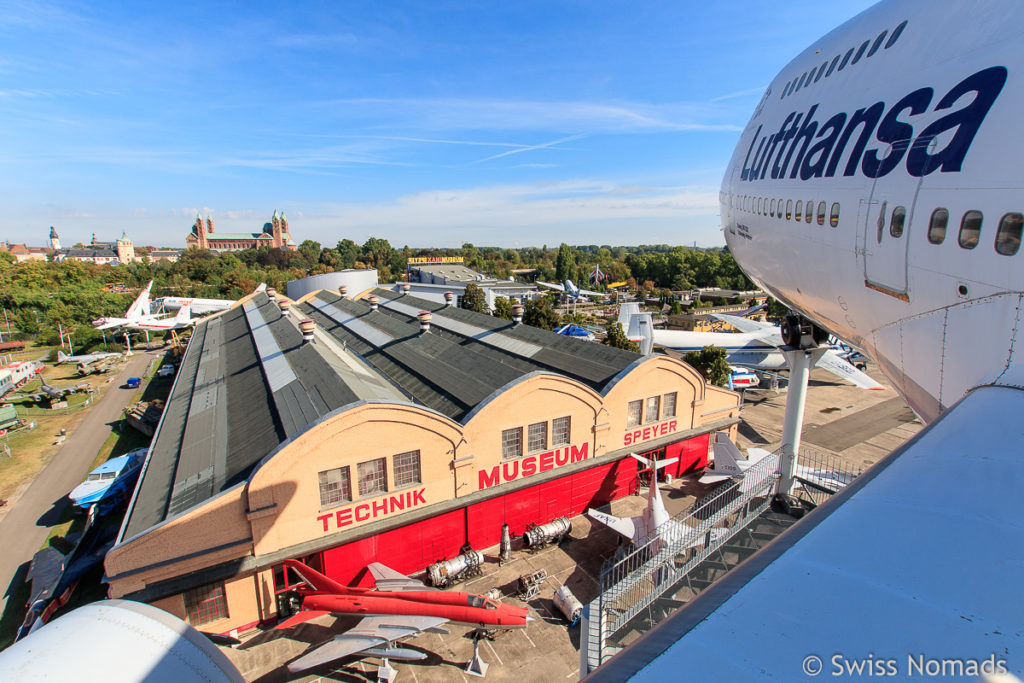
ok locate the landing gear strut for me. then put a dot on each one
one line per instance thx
(800, 333)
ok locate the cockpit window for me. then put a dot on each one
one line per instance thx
(846, 58)
(1008, 235)
(476, 601)
(860, 52)
(490, 604)
(970, 229)
(899, 217)
(108, 475)
(878, 42)
(937, 226)
(94, 477)
(895, 35)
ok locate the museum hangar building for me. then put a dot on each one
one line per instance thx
(394, 429)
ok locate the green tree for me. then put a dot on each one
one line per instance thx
(565, 265)
(474, 299)
(775, 309)
(710, 362)
(540, 313)
(616, 338)
(503, 308)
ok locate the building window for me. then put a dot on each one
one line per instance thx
(833, 219)
(668, 405)
(651, 413)
(512, 442)
(1008, 235)
(970, 229)
(634, 413)
(373, 476)
(407, 469)
(206, 604)
(560, 430)
(537, 437)
(937, 226)
(335, 486)
(899, 217)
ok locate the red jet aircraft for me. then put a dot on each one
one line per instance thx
(396, 607)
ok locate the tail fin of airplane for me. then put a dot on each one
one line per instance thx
(727, 456)
(62, 357)
(657, 464)
(184, 314)
(315, 579)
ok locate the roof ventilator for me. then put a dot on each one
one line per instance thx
(517, 314)
(343, 291)
(449, 297)
(285, 305)
(272, 293)
(405, 288)
(373, 299)
(424, 318)
(307, 326)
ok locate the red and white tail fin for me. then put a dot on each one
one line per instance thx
(315, 579)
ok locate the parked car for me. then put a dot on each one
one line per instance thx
(109, 484)
(166, 370)
(133, 382)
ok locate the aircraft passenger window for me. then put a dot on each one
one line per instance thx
(846, 58)
(832, 66)
(860, 52)
(757, 207)
(881, 221)
(771, 211)
(779, 214)
(789, 209)
(937, 226)
(821, 213)
(1008, 235)
(878, 42)
(810, 210)
(821, 71)
(970, 229)
(799, 210)
(833, 219)
(895, 35)
(899, 217)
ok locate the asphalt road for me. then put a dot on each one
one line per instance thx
(26, 525)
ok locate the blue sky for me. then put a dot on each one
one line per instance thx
(425, 123)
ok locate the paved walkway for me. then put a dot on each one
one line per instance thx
(26, 525)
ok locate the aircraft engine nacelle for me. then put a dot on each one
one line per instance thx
(460, 567)
(552, 532)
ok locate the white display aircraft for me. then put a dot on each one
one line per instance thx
(139, 311)
(181, 320)
(570, 289)
(878, 192)
(198, 306)
(655, 520)
(757, 345)
(85, 358)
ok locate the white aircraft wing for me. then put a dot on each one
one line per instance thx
(388, 580)
(370, 632)
(552, 285)
(837, 365)
(746, 324)
(589, 292)
(874, 569)
(632, 528)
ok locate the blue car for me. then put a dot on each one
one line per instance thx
(109, 484)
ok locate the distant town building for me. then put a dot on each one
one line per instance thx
(22, 252)
(169, 255)
(119, 251)
(274, 234)
(54, 239)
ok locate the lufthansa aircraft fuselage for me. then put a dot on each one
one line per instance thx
(877, 191)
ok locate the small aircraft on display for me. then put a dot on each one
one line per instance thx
(395, 608)
(53, 393)
(729, 463)
(181, 320)
(570, 289)
(575, 331)
(86, 358)
(139, 310)
(655, 520)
